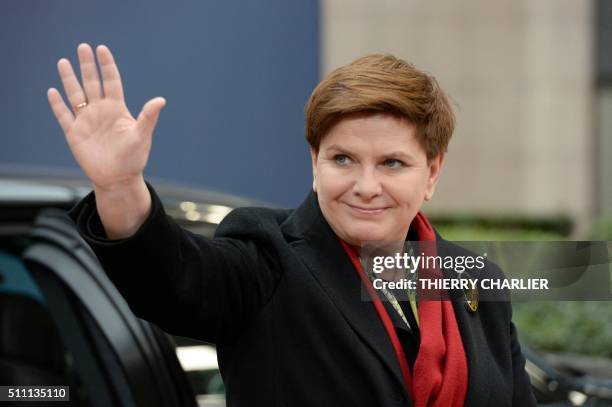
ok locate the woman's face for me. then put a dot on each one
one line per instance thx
(371, 176)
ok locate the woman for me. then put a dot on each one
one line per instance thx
(279, 291)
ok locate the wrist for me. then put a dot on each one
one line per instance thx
(126, 185)
(124, 207)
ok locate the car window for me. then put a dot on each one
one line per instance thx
(199, 361)
(42, 341)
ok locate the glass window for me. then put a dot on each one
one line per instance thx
(199, 361)
(42, 340)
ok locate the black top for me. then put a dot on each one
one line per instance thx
(279, 296)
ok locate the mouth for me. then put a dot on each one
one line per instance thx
(367, 211)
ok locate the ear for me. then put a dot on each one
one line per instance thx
(435, 167)
(313, 161)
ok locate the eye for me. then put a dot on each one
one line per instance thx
(342, 159)
(393, 163)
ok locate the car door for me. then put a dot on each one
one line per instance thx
(124, 360)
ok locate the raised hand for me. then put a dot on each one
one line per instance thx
(110, 146)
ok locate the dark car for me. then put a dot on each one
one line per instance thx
(565, 382)
(62, 322)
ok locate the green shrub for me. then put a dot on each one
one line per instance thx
(602, 230)
(582, 327)
(566, 326)
(476, 233)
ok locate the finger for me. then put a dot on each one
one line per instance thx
(110, 74)
(60, 110)
(89, 73)
(147, 119)
(72, 87)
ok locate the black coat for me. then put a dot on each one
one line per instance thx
(275, 291)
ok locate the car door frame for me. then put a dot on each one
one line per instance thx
(59, 257)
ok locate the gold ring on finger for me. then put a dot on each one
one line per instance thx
(78, 107)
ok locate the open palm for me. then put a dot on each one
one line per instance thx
(109, 144)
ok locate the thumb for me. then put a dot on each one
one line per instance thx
(147, 119)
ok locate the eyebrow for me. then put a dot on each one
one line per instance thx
(393, 154)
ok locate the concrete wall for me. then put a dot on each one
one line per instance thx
(521, 75)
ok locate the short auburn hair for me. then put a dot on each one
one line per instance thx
(382, 84)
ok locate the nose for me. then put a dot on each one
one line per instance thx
(367, 185)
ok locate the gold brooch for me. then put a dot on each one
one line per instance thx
(471, 297)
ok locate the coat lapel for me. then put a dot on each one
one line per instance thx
(329, 264)
(331, 267)
(478, 362)
(474, 340)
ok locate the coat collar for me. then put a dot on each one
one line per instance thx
(325, 258)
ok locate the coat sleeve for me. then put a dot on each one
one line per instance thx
(188, 284)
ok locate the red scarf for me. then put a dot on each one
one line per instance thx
(440, 370)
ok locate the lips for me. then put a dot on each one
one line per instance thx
(367, 211)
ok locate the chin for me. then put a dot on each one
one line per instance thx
(361, 236)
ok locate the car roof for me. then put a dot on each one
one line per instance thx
(25, 190)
